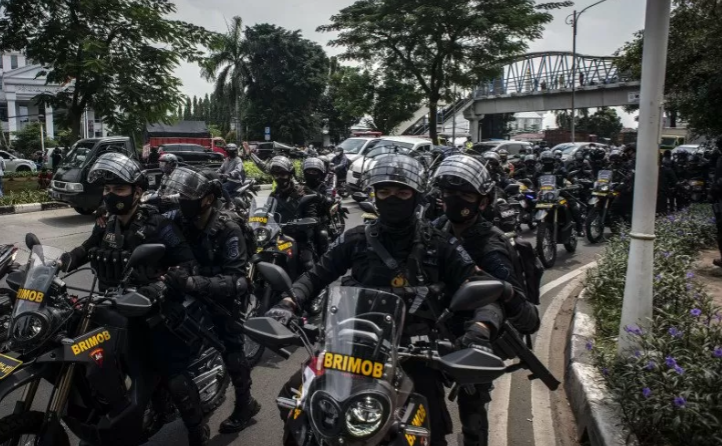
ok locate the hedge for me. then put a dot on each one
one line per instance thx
(25, 197)
(669, 385)
(252, 171)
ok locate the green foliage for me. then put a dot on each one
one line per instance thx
(680, 350)
(287, 77)
(439, 43)
(118, 54)
(395, 100)
(605, 122)
(24, 197)
(27, 141)
(253, 172)
(348, 99)
(25, 174)
(693, 85)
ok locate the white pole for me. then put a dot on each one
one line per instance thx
(42, 138)
(637, 305)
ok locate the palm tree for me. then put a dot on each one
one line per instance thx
(227, 67)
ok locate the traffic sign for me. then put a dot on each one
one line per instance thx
(268, 131)
(268, 137)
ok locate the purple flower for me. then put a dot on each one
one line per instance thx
(633, 329)
(679, 401)
(689, 275)
(696, 312)
(718, 317)
(651, 365)
(637, 353)
(647, 392)
(689, 287)
(671, 218)
(713, 220)
(717, 352)
(679, 370)
(590, 345)
(605, 371)
(674, 332)
(658, 277)
(670, 361)
(667, 254)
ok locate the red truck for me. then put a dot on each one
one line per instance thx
(183, 132)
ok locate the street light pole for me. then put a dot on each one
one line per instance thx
(637, 304)
(573, 20)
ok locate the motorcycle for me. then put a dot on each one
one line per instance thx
(696, 190)
(355, 388)
(335, 212)
(92, 351)
(523, 193)
(8, 253)
(600, 205)
(555, 224)
(275, 247)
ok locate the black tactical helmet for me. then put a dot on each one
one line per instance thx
(116, 168)
(464, 172)
(189, 184)
(530, 159)
(546, 157)
(597, 153)
(616, 156)
(396, 168)
(491, 158)
(280, 164)
(314, 163)
(558, 154)
(579, 155)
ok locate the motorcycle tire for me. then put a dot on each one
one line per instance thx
(592, 226)
(28, 423)
(220, 397)
(544, 234)
(252, 349)
(571, 245)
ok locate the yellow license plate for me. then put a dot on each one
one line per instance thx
(284, 246)
(261, 220)
(7, 365)
(563, 202)
(696, 183)
(547, 188)
(259, 249)
(600, 194)
(544, 206)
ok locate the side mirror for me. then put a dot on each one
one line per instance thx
(133, 304)
(367, 207)
(31, 240)
(360, 196)
(269, 331)
(472, 366)
(275, 276)
(473, 295)
(150, 253)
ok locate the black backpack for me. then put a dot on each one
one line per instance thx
(527, 266)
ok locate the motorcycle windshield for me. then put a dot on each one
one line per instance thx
(604, 176)
(41, 271)
(363, 328)
(262, 221)
(547, 182)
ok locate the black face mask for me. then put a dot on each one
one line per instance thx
(118, 204)
(459, 210)
(396, 212)
(191, 209)
(282, 183)
(233, 154)
(313, 180)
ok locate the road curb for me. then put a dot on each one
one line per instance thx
(266, 186)
(598, 416)
(31, 207)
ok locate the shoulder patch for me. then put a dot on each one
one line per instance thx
(232, 249)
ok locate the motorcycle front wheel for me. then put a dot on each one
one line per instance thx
(252, 349)
(546, 247)
(27, 426)
(594, 226)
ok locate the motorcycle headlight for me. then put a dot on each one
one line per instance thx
(364, 416)
(262, 235)
(604, 188)
(550, 196)
(29, 327)
(325, 414)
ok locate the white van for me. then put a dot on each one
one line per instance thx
(412, 143)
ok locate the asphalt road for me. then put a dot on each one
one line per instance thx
(65, 229)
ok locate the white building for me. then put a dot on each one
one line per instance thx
(529, 121)
(19, 86)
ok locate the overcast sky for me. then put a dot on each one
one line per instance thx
(602, 29)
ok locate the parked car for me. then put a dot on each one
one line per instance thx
(70, 182)
(16, 164)
(513, 147)
(569, 148)
(691, 149)
(192, 153)
(268, 149)
(413, 144)
(354, 148)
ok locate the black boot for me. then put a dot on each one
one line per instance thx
(240, 418)
(199, 435)
(187, 400)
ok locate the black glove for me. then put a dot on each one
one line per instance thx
(70, 259)
(477, 336)
(154, 291)
(283, 312)
(179, 280)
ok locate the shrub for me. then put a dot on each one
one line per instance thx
(668, 387)
(24, 197)
(252, 171)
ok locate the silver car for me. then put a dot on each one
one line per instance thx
(15, 164)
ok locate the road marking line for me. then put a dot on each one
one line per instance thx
(541, 410)
(499, 407)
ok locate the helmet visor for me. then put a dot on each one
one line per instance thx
(188, 183)
(114, 168)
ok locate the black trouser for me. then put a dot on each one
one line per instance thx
(473, 402)
(575, 210)
(235, 359)
(427, 382)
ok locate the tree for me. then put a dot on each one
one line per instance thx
(188, 110)
(395, 101)
(227, 66)
(693, 85)
(348, 98)
(116, 56)
(27, 140)
(287, 76)
(439, 42)
(605, 122)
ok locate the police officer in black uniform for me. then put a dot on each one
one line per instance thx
(314, 174)
(129, 226)
(425, 256)
(219, 246)
(467, 189)
(549, 167)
